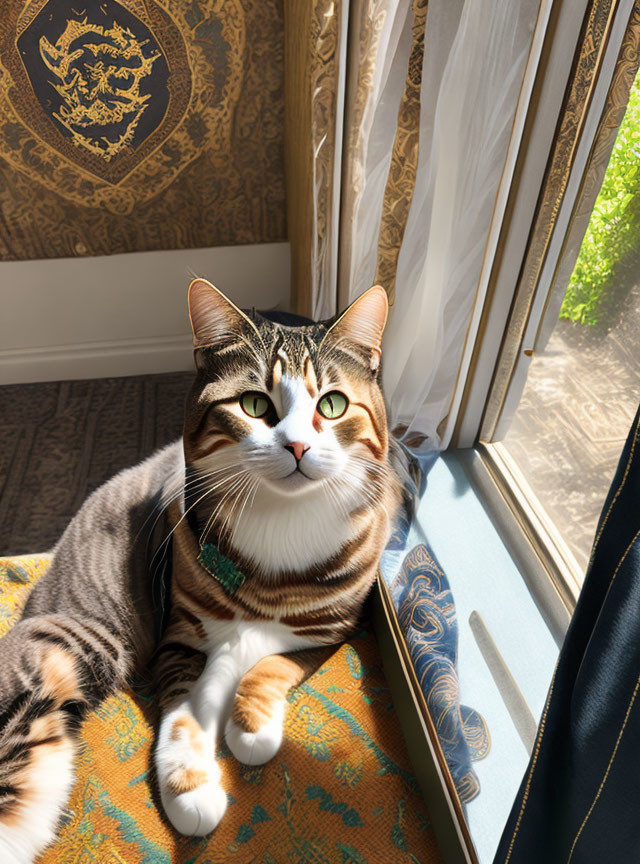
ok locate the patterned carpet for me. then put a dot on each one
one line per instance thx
(61, 440)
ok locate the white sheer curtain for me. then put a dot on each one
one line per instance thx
(474, 60)
(382, 57)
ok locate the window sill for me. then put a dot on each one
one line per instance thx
(544, 559)
(507, 642)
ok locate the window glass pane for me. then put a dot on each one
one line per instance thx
(583, 389)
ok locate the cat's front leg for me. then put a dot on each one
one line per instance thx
(187, 772)
(255, 728)
(194, 717)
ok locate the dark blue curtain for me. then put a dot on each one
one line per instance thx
(579, 802)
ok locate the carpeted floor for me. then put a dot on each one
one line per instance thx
(61, 440)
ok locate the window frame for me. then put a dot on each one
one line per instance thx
(542, 229)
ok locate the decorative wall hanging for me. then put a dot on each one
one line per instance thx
(128, 125)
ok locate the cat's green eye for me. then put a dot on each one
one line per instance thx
(333, 405)
(254, 404)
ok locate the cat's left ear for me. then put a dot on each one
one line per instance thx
(363, 324)
(214, 318)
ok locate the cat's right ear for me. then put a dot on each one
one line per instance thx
(214, 318)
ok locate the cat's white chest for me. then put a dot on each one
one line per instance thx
(290, 534)
(246, 642)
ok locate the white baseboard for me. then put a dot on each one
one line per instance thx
(96, 359)
(108, 316)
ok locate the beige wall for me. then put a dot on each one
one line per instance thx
(122, 314)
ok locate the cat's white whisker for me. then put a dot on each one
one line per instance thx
(250, 493)
(211, 522)
(332, 494)
(163, 544)
(180, 487)
(239, 493)
(231, 479)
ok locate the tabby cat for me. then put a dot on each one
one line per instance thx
(279, 500)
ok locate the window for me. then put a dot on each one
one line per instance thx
(583, 385)
(554, 379)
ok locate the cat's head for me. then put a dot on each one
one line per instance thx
(293, 411)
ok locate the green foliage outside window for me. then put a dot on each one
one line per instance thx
(609, 259)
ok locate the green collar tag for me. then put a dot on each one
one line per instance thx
(221, 568)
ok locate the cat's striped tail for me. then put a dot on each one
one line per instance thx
(42, 700)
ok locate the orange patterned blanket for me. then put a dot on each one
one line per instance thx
(340, 790)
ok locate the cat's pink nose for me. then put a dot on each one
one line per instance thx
(298, 448)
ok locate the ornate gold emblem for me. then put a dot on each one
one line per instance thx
(99, 72)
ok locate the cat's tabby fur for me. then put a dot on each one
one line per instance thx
(301, 504)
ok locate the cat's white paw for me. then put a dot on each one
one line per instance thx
(256, 748)
(197, 812)
(188, 775)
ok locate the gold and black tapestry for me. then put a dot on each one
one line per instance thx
(129, 125)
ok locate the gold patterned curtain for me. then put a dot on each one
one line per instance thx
(404, 160)
(379, 48)
(313, 34)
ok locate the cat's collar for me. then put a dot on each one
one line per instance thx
(222, 569)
